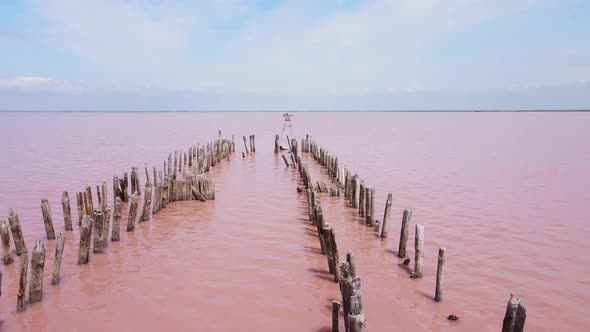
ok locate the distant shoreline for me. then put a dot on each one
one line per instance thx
(303, 111)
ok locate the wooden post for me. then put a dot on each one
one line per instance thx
(403, 236)
(276, 144)
(367, 205)
(80, 206)
(88, 200)
(351, 264)
(147, 203)
(362, 199)
(107, 223)
(47, 220)
(116, 191)
(22, 283)
(372, 211)
(419, 253)
(104, 195)
(253, 143)
(132, 213)
(245, 146)
(285, 159)
(85, 232)
(124, 185)
(37, 267)
(335, 255)
(335, 311)
(59, 250)
(17, 233)
(515, 315)
(439, 275)
(5, 235)
(98, 231)
(117, 220)
(386, 215)
(99, 195)
(65, 203)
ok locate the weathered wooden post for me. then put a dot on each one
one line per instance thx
(253, 143)
(147, 203)
(351, 264)
(285, 159)
(116, 191)
(80, 206)
(88, 200)
(59, 250)
(403, 236)
(367, 205)
(107, 223)
(22, 283)
(5, 235)
(276, 144)
(386, 215)
(132, 213)
(362, 199)
(124, 185)
(245, 146)
(98, 231)
(335, 311)
(45, 208)
(104, 195)
(65, 203)
(117, 220)
(17, 233)
(439, 275)
(85, 233)
(419, 251)
(37, 268)
(515, 315)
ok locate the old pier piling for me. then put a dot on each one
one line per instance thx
(65, 203)
(85, 233)
(5, 235)
(47, 220)
(419, 251)
(22, 282)
(17, 233)
(37, 268)
(438, 294)
(404, 233)
(59, 250)
(515, 315)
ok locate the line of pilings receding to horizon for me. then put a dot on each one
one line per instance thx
(182, 178)
(362, 197)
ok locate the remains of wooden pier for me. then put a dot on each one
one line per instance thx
(187, 181)
(362, 197)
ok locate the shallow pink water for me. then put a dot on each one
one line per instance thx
(505, 193)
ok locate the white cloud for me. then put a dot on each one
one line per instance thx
(41, 85)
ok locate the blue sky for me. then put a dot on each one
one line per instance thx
(294, 55)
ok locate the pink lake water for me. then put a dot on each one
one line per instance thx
(506, 193)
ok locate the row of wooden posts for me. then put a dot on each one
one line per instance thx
(362, 197)
(344, 272)
(252, 143)
(185, 181)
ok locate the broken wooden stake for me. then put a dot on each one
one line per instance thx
(85, 232)
(17, 233)
(65, 203)
(439, 275)
(22, 283)
(404, 233)
(47, 220)
(419, 251)
(117, 220)
(37, 268)
(515, 315)
(59, 250)
(386, 215)
(5, 235)
(132, 213)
